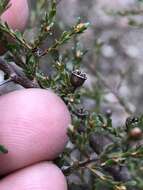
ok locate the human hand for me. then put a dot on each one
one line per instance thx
(33, 127)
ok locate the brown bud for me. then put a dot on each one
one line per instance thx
(135, 133)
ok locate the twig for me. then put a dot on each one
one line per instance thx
(16, 76)
(77, 165)
(5, 82)
(130, 12)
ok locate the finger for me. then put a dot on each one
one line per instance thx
(17, 15)
(33, 127)
(43, 176)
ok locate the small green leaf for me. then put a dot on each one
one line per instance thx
(3, 149)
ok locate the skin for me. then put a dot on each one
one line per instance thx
(33, 127)
(16, 17)
(42, 176)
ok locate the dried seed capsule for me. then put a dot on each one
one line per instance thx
(82, 113)
(131, 121)
(78, 78)
(108, 113)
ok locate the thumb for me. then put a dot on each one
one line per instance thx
(42, 176)
(17, 14)
(33, 127)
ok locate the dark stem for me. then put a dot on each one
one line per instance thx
(16, 75)
(78, 165)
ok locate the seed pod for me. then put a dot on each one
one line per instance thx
(131, 121)
(78, 78)
(81, 113)
(108, 113)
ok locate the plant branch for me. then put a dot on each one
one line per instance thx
(77, 165)
(16, 75)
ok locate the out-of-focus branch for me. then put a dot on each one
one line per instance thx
(58, 1)
(16, 75)
(130, 12)
(119, 98)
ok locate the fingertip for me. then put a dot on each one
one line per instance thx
(42, 176)
(33, 127)
(17, 14)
